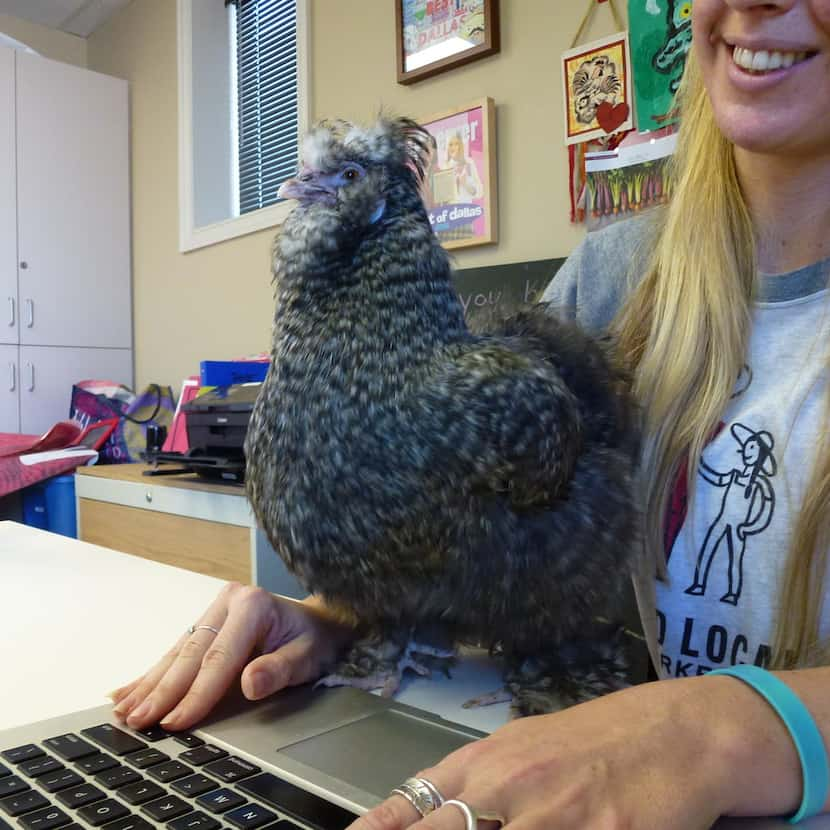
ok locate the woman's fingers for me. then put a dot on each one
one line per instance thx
(145, 685)
(117, 695)
(221, 661)
(158, 691)
(297, 661)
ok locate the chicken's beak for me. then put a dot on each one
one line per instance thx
(305, 187)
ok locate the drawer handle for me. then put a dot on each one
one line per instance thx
(149, 495)
(12, 377)
(30, 312)
(11, 311)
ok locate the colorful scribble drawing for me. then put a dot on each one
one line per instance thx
(671, 58)
(596, 81)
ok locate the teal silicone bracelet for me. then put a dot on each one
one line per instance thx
(803, 730)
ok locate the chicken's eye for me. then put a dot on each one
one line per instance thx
(351, 174)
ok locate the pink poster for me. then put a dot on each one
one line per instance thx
(458, 189)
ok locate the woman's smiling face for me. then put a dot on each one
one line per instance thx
(766, 67)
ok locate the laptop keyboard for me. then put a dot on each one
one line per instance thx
(106, 777)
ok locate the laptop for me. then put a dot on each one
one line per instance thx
(305, 758)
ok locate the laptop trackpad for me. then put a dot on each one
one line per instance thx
(378, 752)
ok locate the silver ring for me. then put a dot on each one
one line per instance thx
(194, 628)
(472, 817)
(423, 795)
(434, 791)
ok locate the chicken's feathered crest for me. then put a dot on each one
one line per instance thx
(391, 142)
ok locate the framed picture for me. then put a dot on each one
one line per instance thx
(436, 35)
(460, 185)
(597, 89)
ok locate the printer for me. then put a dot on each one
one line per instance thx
(217, 422)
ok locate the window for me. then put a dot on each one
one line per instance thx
(243, 81)
(266, 65)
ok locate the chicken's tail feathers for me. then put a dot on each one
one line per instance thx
(592, 368)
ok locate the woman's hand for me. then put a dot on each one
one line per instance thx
(675, 754)
(291, 642)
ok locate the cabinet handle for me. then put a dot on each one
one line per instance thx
(11, 311)
(12, 377)
(31, 368)
(30, 313)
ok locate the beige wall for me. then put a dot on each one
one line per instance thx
(216, 302)
(50, 43)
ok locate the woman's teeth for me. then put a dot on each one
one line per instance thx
(765, 61)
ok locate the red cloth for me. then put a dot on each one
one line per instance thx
(14, 475)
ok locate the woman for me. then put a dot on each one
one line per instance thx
(467, 181)
(731, 371)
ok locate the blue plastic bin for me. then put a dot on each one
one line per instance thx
(34, 506)
(50, 505)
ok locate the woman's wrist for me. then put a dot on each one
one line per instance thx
(762, 765)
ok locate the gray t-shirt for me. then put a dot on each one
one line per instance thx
(725, 561)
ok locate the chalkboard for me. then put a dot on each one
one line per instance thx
(497, 290)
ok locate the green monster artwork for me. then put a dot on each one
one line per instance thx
(660, 34)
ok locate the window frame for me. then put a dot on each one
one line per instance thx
(192, 237)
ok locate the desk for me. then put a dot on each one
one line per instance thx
(181, 520)
(78, 620)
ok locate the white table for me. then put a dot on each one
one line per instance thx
(78, 620)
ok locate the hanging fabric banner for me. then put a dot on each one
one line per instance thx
(660, 34)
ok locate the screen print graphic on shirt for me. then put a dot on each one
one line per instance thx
(747, 503)
(735, 500)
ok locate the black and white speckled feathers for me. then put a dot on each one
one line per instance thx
(407, 469)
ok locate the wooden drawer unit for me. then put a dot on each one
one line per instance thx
(180, 520)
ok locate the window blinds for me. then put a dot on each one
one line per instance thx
(266, 47)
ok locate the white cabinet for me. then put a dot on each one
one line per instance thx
(64, 235)
(9, 389)
(8, 202)
(44, 370)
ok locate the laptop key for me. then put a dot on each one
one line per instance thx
(250, 816)
(188, 739)
(128, 823)
(77, 797)
(231, 769)
(166, 808)
(139, 792)
(146, 758)
(70, 747)
(117, 777)
(45, 819)
(203, 755)
(35, 767)
(194, 785)
(22, 753)
(220, 801)
(194, 821)
(4, 771)
(115, 740)
(103, 811)
(55, 781)
(25, 802)
(12, 785)
(152, 734)
(96, 763)
(297, 802)
(169, 771)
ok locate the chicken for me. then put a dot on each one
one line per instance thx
(441, 486)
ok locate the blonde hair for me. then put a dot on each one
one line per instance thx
(685, 330)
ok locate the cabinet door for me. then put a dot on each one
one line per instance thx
(73, 206)
(9, 390)
(47, 375)
(8, 207)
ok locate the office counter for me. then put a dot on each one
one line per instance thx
(78, 620)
